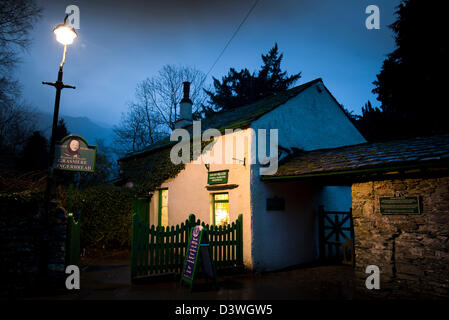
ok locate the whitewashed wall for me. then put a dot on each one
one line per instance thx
(311, 120)
(272, 240)
(284, 238)
(187, 193)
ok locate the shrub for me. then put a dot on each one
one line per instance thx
(106, 216)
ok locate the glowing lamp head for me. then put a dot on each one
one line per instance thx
(65, 34)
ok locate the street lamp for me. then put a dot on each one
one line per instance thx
(65, 35)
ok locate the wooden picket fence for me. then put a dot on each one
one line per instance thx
(159, 250)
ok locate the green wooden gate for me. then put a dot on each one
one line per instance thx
(336, 237)
(158, 250)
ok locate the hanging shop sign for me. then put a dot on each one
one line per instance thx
(400, 205)
(74, 154)
(217, 177)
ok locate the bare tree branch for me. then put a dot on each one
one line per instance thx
(17, 18)
(155, 110)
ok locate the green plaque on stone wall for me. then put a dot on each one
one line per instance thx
(217, 177)
(400, 205)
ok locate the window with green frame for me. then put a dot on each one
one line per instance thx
(163, 208)
(220, 207)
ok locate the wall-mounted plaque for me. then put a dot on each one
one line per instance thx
(217, 177)
(400, 205)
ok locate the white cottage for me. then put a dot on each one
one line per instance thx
(279, 219)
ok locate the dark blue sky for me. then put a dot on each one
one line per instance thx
(123, 42)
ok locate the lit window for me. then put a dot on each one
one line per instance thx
(163, 207)
(221, 208)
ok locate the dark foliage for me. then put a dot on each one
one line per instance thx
(17, 19)
(240, 88)
(371, 123)
(105, 168)
(35, 153)
(19, 181)
(61, 130)
(410, 85)
(105, 214)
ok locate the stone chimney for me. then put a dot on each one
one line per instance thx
(185, 106)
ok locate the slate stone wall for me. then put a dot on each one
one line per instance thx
(412, 251)
(21, 229)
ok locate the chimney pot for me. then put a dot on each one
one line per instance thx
(186, 97)
(185, 107)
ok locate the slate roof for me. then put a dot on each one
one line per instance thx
(236, 118)
(391, 154)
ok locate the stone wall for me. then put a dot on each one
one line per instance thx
(412, 251)
(21, 229)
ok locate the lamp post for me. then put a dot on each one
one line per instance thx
(65, 35)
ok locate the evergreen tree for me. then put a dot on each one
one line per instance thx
(105, 167)
(242, 87)
(372, 123)
(61, 130)
(411, 83)
(34, 155)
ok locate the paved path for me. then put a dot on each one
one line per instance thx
(111, 280)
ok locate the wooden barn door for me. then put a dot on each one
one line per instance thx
(336, 237)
